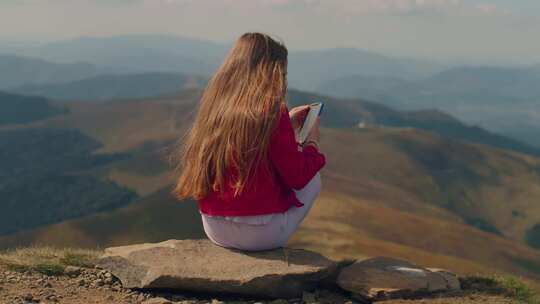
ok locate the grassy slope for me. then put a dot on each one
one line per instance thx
(472, 181)
(355, 217)
(343, 227)
(339, 226)
(375, 178)
(124, 126)
(154, 218)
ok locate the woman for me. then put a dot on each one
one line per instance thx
(254, 183)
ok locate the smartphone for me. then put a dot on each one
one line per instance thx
(315, 110)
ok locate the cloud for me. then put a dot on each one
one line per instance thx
(340, 7)
(491, 9)
(63, 2)
(404, 7)
(351, 7)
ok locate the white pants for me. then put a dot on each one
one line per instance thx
(273, 234)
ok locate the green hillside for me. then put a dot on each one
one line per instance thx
(491, 189)
(154, 218)
(455, 175)
(15, 109)
(41, 179)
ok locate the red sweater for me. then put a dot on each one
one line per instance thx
(270, 191)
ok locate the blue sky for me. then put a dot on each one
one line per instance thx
(476, 31)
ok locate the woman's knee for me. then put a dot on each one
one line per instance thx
(309, 193)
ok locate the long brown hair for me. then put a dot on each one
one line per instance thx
(236, 116)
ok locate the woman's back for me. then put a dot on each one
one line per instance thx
(241, 158)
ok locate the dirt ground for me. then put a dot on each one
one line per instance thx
(93, 286)
(461, 299)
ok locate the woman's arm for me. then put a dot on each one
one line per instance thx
(296, 167)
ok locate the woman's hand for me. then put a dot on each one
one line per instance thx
(298, 115)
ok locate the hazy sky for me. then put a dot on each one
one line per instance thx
(503, 31)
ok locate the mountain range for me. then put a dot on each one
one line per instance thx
(87, 127)
(137, 53)
(500, 99)
(113, 86)
(503, 100)
(17, 70)
(457, 85)
(161, 53)
(310, 69)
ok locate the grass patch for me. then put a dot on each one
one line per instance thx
(47, 260)
(79, 259)
(507, 286)
(50, 269)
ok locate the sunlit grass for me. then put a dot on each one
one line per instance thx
(507, 286)
(47, 260)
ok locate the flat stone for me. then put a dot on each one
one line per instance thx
(157, 301)
(452, 280)
(201, 266)
(384, 278)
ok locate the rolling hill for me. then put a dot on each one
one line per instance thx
(186, 55)
(16, 109)
(42, 178)
(42, 170)
(344, 113)
(113, 86)
(460, 203)
(363, 197)
(503, 100)
(310, 69)
(155, 217)
(480, 84)
(17, 70)
(515, 84)
(166, 53)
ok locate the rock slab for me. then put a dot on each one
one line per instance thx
(384, 278)
(201, 266)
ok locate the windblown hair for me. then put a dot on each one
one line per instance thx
(236, 116)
